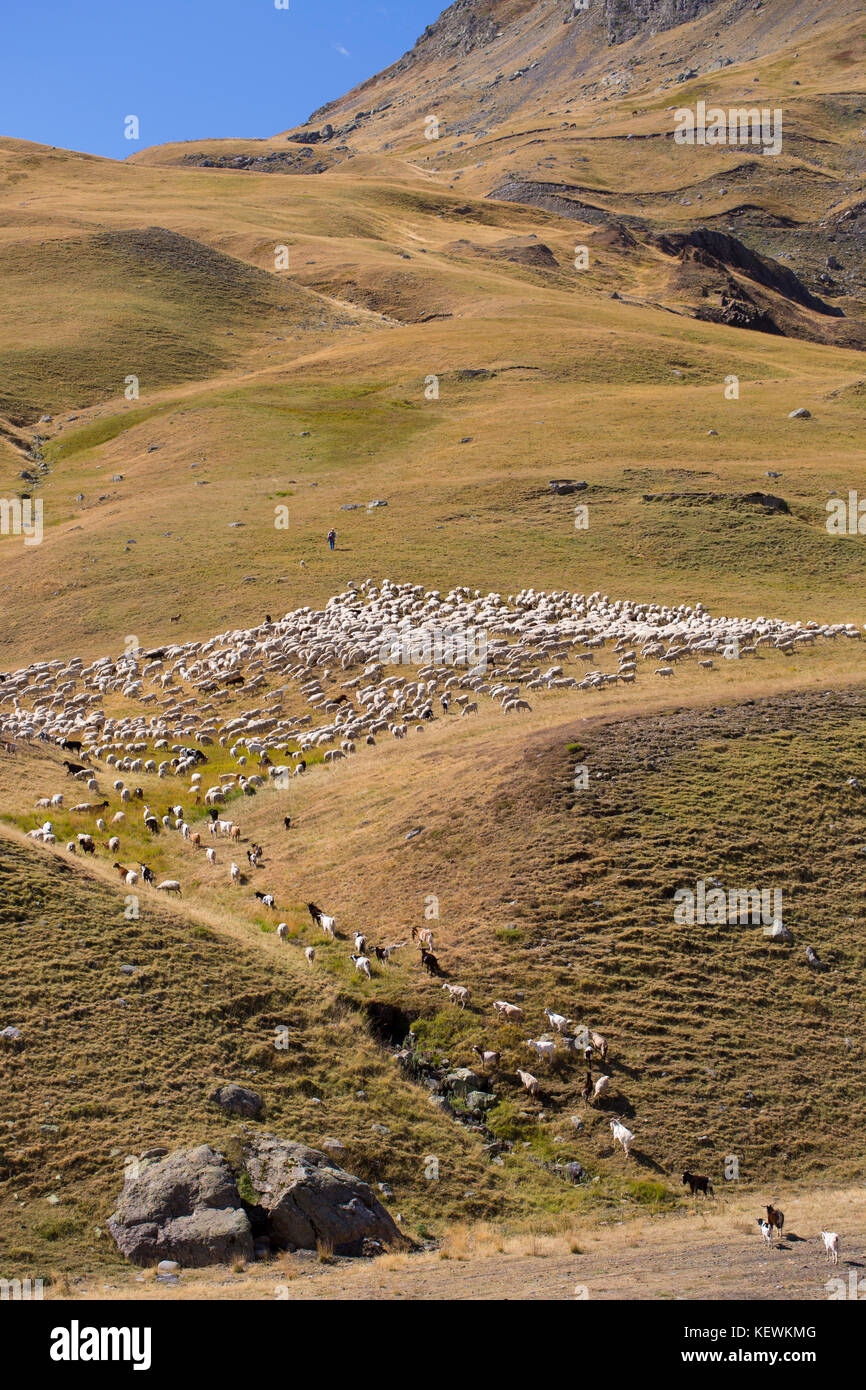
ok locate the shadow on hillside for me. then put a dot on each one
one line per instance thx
(634, 1073)
(646, 1162)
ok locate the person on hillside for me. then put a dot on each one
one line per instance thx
(332, 538)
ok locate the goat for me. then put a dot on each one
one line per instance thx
(362, 964)
(283, 931)
(458, 993)
(430, 963)
(557, 1021)
(360, 942)
(544, 1049)
(776, 1218)
(287, 822)
(587, 1089)
(235, 873)
(766, 1230)
(831, 1245)
(488, 1059)
(310, 953)
(599, 1045)
(267, 899)
(147, 874)
(622, 1135)
(322, 920)
(210, 855)
(698, 1184)
(531, 1082)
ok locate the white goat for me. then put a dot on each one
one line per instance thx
(622, 1135)
(831, 1245)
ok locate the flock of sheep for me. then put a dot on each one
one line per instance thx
(333, 662)
(331, 666)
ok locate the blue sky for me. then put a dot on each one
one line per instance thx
(73, 70)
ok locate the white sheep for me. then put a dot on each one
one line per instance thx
(235, 873)
(170, 885)
(602, 1086)
(283, 931)
(310, 953)
(210, 855)
(458, 993)
(510, 1011)
(362, 964)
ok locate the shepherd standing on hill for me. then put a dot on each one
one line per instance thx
(332, 538)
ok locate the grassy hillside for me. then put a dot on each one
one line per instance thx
(721, 1043)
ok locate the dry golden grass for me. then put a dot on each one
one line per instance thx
(306, 389)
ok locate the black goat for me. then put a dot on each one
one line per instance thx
(699, 1184)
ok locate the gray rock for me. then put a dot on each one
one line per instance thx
(480, 1100)
(462, 1081)
(185, 1207)
(563, 486)
(801, 414)
(309, 1200)
(238, 1100)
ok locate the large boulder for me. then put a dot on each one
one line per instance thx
(184, 1207)
(309, 1200)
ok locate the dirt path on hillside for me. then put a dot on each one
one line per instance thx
(661, 1261)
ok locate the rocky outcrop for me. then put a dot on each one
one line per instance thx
(562, 198)
(184, 1207)
(717, 250)
(309, 1201)
(625, 18)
